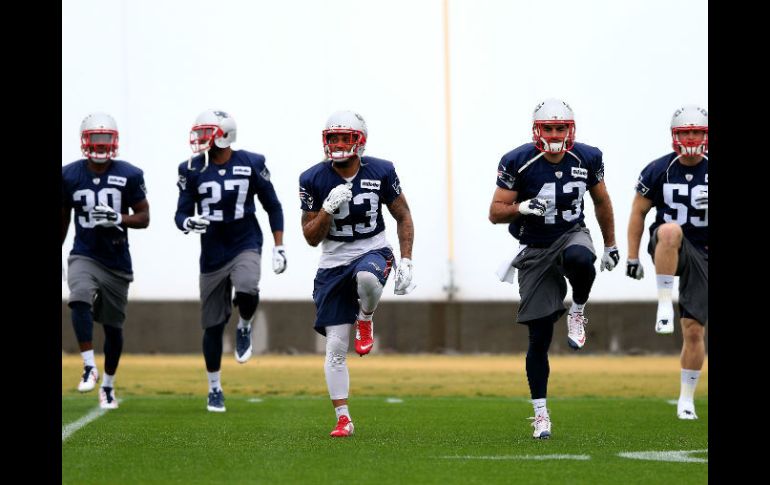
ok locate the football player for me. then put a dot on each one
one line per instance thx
(341, 200)
(100, 190)
(220, 184)
(677, 186)
(540, 188)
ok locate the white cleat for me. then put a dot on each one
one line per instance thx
(664, 323)
(107, 399)
(89, 379)
(542, 425)
(576, 331)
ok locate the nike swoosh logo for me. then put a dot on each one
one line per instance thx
(365, 347)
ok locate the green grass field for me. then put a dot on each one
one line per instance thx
(445, 430)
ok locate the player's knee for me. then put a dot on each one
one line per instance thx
(578, 257)
(670, 234)
(693, 332)
(368, 284)
(246, 303)
(336, 352)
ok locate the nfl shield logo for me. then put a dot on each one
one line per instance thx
(222, 171)
(688, 176)
(558, 174)
(96, 181)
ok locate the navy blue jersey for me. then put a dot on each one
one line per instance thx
(672, 187)
(563, 185)
(376, 183)
(121, 186)
(225, 193)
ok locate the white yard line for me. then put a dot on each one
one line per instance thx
(70, 429)
(521, 457)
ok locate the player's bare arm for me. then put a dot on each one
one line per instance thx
(503, 207)
(604, 215)
(140, 217)
(399, 209)
(315, 226)
(639, 209)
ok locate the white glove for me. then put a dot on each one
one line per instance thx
(404, 283)
(279, 259)
(196, 224)
(634, 269)
(106, 216)
(533, 207)
(700, 200)
(610, 259)
(338, 195)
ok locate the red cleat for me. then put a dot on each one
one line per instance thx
(344, 428)
(364, 337)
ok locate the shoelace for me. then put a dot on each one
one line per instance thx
(365, 330)
(538, 420)
(341, 423)
(575, 324)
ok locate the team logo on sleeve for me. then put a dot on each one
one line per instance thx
(182, 182)
(265, 174)
(580, 173)
(143, 188)
(600, 174)
(397, 186)
(640, 187)
(505, 178)
(305, 198)
(370, 184)
(239, 170)
(115, 180)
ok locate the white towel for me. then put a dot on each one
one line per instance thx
(506, 272)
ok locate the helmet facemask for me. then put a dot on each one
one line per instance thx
(202, 136)
(685, 120)
(349, 143)
(687, 147)
(99, 137)
(553, 143)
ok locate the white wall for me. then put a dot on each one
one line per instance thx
(280, 68)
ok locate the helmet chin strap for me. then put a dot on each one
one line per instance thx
(205, 160)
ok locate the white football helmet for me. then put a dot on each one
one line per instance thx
(553, 112)
(345, 122)
(99, 137)
(689, 118)
(212, 125)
